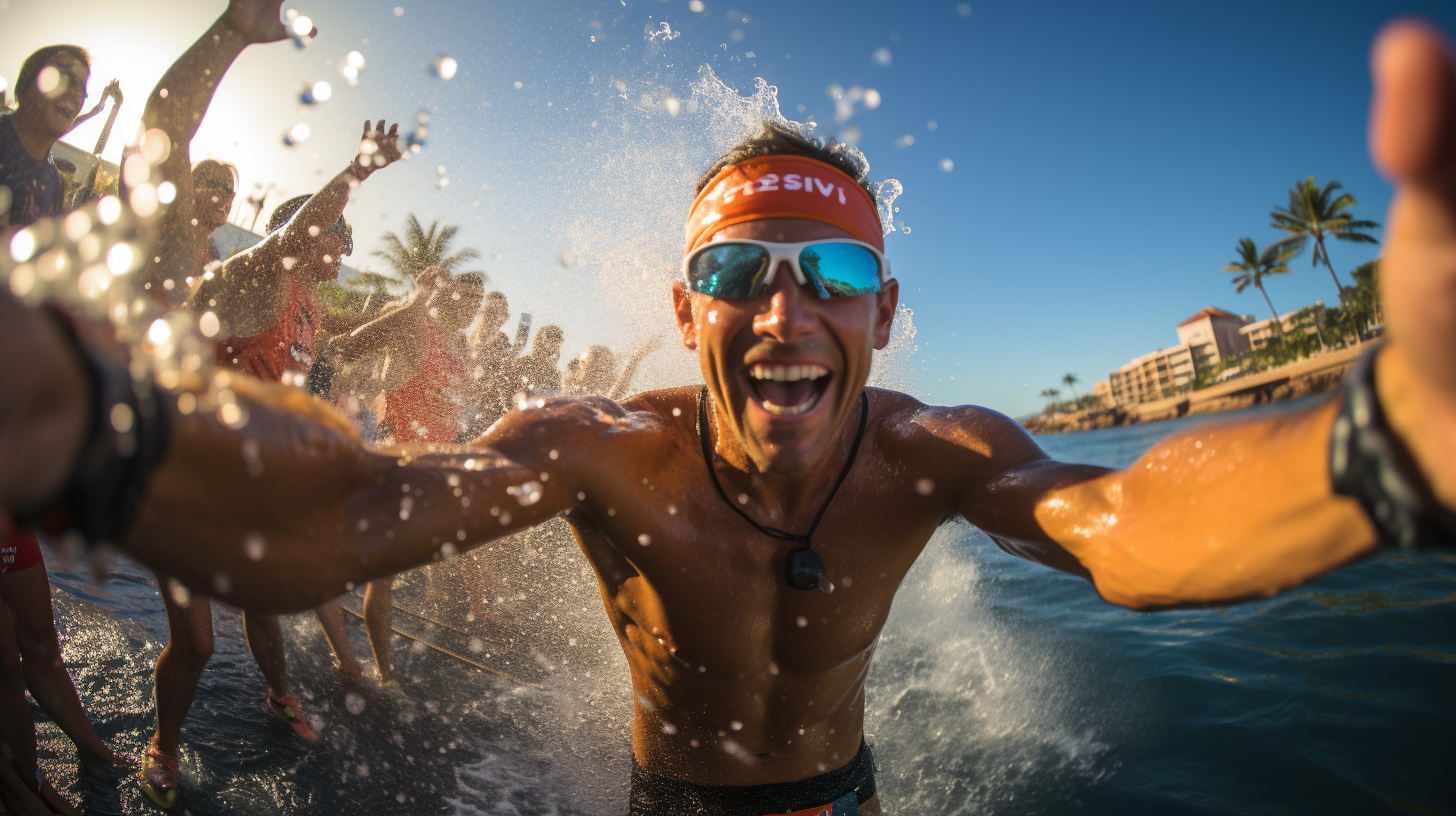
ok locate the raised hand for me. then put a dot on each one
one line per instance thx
(377, 148)
(257, 21)
(112, 89)
(1413, 141)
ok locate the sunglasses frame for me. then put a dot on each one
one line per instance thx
(777, 253)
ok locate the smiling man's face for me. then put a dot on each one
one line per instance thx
(59, 107)
(787, 366)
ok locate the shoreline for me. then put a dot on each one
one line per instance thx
(1302, 378)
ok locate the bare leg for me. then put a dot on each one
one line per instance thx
(17, 729)
(28, 595)
(331, 620)
(180, 665)
(18, 798)
(265, 641)
(378, 620)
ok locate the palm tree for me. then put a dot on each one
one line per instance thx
(1256, 266)
(1069, 379)
(422, 249)
(1314, 213)
(1050, 395)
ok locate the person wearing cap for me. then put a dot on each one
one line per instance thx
(749, 535)
(267, 313)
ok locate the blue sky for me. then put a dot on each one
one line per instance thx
(1107, 157)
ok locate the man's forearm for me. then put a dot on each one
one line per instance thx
(181, 98)
(1215, 514)
(289, 509)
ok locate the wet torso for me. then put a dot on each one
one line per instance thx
(427, 407)
(286, 346)
(740, 679)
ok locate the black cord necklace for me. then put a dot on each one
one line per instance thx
(803, 569)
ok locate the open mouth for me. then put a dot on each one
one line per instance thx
(788, 390)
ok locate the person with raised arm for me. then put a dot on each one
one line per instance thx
(49, 92)
(424, 383)
(749, 535)
(176, 108)
(111, 91)
(268, 311)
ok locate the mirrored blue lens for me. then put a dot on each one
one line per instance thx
(841, 270)
(728, 270)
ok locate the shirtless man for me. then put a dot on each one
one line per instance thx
(759, 709)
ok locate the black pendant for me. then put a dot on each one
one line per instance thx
(803, 568)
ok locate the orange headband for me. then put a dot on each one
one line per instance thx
(784, 187)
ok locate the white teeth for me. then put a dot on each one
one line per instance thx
(788, 410)
(793, 373)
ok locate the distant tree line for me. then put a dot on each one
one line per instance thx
(1312, 215)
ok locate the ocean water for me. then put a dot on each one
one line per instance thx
(1000, 687)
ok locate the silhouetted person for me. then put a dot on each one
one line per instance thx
(49, 92)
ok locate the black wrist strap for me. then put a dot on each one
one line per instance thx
(128, 435)
(1370, 463)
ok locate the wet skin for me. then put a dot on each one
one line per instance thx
(1219, 513)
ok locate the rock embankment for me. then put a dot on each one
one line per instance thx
(1087, 420)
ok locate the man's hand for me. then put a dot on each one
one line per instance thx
(377, 148)
(113, 90)
(1413, 141)
(257, 21)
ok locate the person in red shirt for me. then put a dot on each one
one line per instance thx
(426, 387)
(267, 309)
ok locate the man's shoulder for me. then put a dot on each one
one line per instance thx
(903, 418)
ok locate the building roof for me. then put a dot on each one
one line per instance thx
(1210, 311)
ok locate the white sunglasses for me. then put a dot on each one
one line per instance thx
(742, 268)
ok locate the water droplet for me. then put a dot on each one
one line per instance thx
(444, 67)
(477, 645)
(736, 725)
(526, 494)
(296, 134)
(801, 621)
(924, 486)
(254, 546)
(354, 703)
(883, 56)
(644, 539)
(180, 594)
(946, 165)
(221, 584)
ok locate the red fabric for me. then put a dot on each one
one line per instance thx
(422, 410)
(784, 187)
(287, 345)
(19, 550)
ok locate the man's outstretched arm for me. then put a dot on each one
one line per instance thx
(277, 511)
(1222, 513)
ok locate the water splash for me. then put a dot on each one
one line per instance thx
(664, 33)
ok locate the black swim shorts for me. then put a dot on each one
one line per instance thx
(845, 788)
